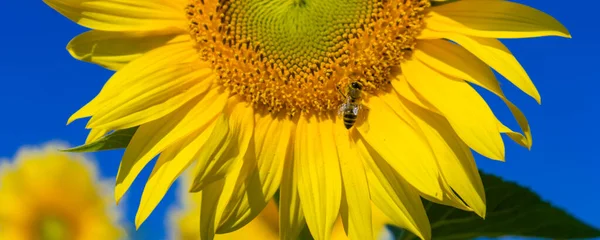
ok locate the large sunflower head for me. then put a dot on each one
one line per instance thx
(48, 195)
(336, 103)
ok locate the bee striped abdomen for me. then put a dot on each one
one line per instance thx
(349, 117)
(349, 114)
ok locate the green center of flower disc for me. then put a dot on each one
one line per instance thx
(292, 55)
(53, 228)
(298, 32)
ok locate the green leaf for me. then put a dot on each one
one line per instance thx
(115, 140)
(512, 210)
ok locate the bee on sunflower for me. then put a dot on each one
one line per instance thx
(249, 92)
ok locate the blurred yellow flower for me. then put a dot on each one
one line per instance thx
(185, 221)
(49, 195)
(251, 92)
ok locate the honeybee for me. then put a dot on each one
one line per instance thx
(349, 110)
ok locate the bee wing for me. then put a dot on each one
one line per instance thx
(341, 109)
(364, 111)
(356, 109)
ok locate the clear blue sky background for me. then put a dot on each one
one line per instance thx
(41, 86)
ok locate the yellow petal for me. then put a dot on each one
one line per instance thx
(392, 194)
(291, 216)
(402, 145)
(357, 217)
(453, 60)
(449, 198)
(113, 50)
(454, 157)
(153, 61)
(212, 207)
(494, 19)
(497, 56)
(271, 141)
(208, 208)
(152, 138)
(318, 172)
(209, 199)
(154, 96)
(121, 15)
(243, 185)
(467, 112)
(227, 144)
(525, 141)
(246, 199)
(171, 163)
(95, 134)
(401, 86)
(393, 101)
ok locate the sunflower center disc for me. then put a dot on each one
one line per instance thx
(53, 228)
(291, 55)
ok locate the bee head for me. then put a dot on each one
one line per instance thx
(356, 85)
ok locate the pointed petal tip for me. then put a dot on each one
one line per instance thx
(72, 52)
(194, 188)
(498, 154)
(564, 32)
(537, 97)
(529, 143)
(140, 219)
(481, 214)
(119, 192)
(423, 234)
(137, 223)
(72, 119)
(498, 157)
(480, 209)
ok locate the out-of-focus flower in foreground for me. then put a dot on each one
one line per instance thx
(49, 195)
(337, 103)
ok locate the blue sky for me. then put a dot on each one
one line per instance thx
(41, 86)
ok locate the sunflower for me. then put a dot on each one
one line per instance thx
(48, 195)
(184, 220)
(250, 92)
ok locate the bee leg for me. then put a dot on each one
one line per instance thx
(337, 86)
